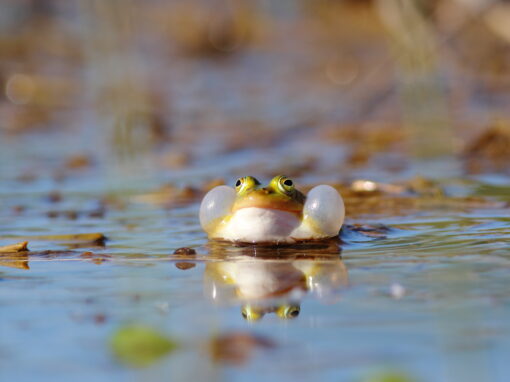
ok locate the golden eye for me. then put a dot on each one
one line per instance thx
(293, 312)
(251, 313)
(288, 311)
(246, 183)
(286, 185)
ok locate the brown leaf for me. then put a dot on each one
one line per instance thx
(490, 152)
(78, 162)
(236, 348)
(18, 247)
(94, 257)
(184, 265)
(95, 237)
(185, 251)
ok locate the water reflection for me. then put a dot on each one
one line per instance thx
(14, 260)
(274, 280)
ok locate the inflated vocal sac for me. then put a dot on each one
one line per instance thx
(324, 208)
(216, 204)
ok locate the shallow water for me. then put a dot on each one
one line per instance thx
(322, 92)
(429, 297)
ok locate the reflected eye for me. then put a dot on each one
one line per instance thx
(293, 312)
(287, 312)
(238, 183)
(250, 313)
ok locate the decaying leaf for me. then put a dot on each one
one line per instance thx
(140, 346)
(95, 257)
(18, 247)
(186, 254)
(96, 238)
(236, 347)
(185, 251)
(490, 152)
(389, 376)
(185, 265)
(170, 195)
(14, 255)
(415, 195)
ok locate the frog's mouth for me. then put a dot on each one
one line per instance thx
(266, 199)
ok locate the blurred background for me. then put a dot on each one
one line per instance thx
(331, 87)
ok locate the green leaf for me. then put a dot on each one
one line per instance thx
(140, 346)
(389, 376)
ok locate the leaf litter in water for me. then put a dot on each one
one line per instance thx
(140, 346)
(185, 253)
(490, 152)
(81, 237)
(18, 247)
(365, 197)
(14, 255)
(389, 376)
(237, 347)
(94, 238)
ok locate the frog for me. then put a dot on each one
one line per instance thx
(276, 213)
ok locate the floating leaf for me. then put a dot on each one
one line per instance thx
(18, 247)
(389, 376)
(82, 237)
(140, 346)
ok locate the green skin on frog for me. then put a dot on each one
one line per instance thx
(276, 213)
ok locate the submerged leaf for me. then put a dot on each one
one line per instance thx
(389, 376)
(140, 346)
(236, 348)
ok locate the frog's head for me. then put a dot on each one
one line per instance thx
(284, 311)
(280, 194)
(277, 212)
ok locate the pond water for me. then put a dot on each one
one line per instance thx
(112, 128)
(426, 294)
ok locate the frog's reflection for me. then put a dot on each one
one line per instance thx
(269, 280)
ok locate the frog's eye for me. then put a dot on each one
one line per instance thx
(246, 183)
(216, 204)
(288, 311)
(250, 313)
(285, 184)
(324, 207)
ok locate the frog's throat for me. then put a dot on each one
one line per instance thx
(287, 205)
